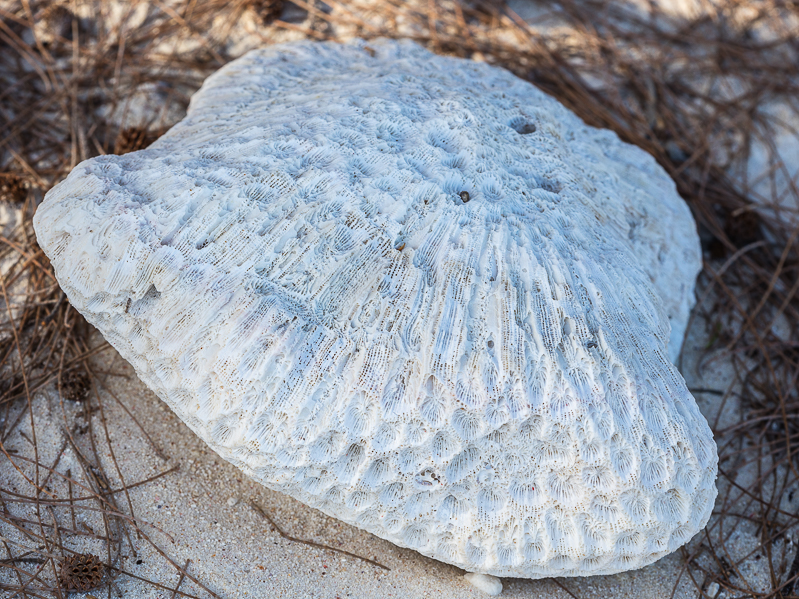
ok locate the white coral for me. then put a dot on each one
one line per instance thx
(294, 270)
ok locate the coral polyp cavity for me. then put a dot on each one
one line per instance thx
(413, 292)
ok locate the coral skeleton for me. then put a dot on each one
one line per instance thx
(415, 293)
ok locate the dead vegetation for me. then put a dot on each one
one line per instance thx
(706, 95)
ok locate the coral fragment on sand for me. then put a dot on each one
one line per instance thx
(414, 292)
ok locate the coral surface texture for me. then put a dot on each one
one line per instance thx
(414, 292)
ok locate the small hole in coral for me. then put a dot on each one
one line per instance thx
(490, 344)
(522, 126)
(464, 196)
(551, 186)
(427, 478)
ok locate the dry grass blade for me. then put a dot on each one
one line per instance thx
(708, 95)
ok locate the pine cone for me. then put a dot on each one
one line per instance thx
(12, 188)
(132, 139)
(54, 24)
(75, 385)
(743, 228)
(81, 572)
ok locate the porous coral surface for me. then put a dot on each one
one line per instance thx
(482, 377)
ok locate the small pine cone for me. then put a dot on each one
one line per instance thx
(82, 572)
(132, 139)
(12, 188)
(54, 23)
(743, 228)
(75, 385)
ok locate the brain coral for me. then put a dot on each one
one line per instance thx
(483, 376)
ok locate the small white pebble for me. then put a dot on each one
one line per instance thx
(712, 589)
(232, 501)
(490, 585)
